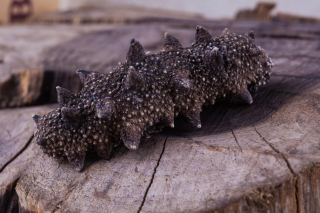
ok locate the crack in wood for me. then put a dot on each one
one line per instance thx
(9, 199)
(236, 140)
(215, 148)
(72, 187)
(16, 155)
(59, 205)
(152, 178)
(286, 36)
(296, 192)
(277, 151)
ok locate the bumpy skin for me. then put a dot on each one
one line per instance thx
(145, 93)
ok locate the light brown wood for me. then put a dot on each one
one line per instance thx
(262, 157)
(24, 80)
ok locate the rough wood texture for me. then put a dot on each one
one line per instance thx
(262, 157)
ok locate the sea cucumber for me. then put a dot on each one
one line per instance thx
(145, 93)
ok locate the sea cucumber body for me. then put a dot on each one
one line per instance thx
(145, 93)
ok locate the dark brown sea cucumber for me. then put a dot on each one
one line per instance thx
(145, 93)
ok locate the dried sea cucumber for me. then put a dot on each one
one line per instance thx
(145, 93)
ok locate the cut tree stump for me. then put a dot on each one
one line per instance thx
(262, 157)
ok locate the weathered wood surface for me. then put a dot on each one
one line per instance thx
(257, 158)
